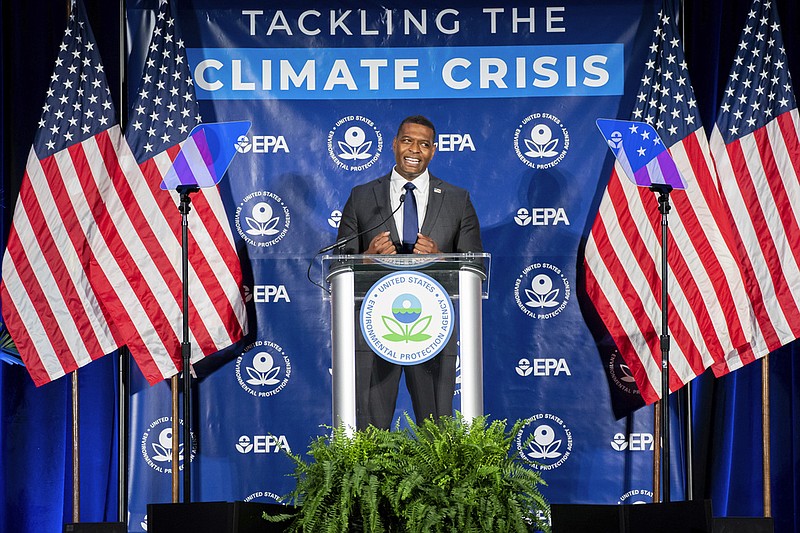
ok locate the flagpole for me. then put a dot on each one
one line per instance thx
(124, 376)
(688, 427)
(76, 433)
(76, 451)
(688, 447)
(657, 452)
(176, 446)
(765, 437)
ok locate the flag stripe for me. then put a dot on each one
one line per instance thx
(632, 326)
(39, 313)
(29, 334)
(43, 247)
(50, 188)
(113, 258)
(165, 220)
(769, 271)
(725, 312)
(758, 285)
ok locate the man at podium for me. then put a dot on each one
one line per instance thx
(408, 211)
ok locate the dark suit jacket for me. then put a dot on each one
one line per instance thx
(450, 219)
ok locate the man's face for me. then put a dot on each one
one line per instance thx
(413, 149)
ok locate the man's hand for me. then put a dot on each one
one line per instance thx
(425, 245)
(381, 244)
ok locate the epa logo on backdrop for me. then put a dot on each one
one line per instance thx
(263, 369)
(262, 219)
(543, 367)
(542, 291)
(354, 143)
(266, 294)
(544, 442)
(541, 216)
(635, 442)
(156, 445)
(541, 141)
(260, 444)
(636, 496)
(455, 142)
(335, 218)
(261, 144)
(264, 496)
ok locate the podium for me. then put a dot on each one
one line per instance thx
(352, 279)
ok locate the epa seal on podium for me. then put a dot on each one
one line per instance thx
(407, 318)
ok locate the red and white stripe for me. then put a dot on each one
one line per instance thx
(709, 314)
(51, 309)
(759, 183)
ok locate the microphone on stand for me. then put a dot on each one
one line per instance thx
(345, 240)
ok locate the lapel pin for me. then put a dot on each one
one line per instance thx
(437, 190)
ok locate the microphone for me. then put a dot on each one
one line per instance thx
(345, 240)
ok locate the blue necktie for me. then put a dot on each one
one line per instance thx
(410, 224)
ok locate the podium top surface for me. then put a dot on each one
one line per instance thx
(445, 268)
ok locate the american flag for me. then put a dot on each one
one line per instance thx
(93, 257)
(756, 149)
(145, 224)
(51, 307)
(708, 308)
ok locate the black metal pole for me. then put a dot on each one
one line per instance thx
(664, 208)
(186, 348)
(689, 447)
(123, 424)
(123, 427)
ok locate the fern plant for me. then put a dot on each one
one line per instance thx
(341, 488)
(443, 476)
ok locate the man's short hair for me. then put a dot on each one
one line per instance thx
(418, 119)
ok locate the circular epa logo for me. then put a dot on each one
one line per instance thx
(541, 141)
(262, 219)
(354, 143)
(263, 369)
(544, 442)
(156, 445)
(407, 317)
(542, 291)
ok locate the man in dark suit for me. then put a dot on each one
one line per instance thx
(447, 223)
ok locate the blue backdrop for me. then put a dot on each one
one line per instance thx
(303, 77)
(306, 75)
